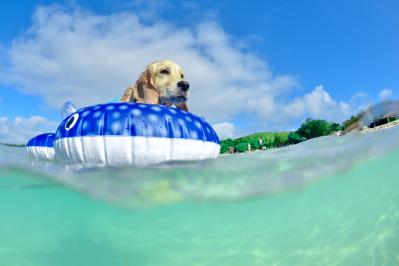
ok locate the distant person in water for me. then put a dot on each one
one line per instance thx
(260, 142)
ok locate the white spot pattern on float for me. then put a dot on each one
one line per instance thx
(198, 125)
(116, 115)
(156, 108)
(116, 127)
(123, 107)
(172, 110)
(181, 122)
(148, 131)
(194, 134)
(168, 118)
(97, 114)
(152, 118)
(163, 132)
(85, 125)
(136, 112)
(110, 107)
(86, 113)
(177, 133)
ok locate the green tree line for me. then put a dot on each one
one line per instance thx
(311, 128)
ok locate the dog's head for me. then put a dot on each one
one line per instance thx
(167, 78)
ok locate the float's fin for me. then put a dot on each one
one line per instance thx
(67, 109)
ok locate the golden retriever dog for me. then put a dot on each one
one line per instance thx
(162, 82)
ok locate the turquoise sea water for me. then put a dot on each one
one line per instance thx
(329, 201)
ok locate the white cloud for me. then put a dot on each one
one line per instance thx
(360, 95)
(20, 129)
(225, 130)
(318, 104)
(87, 58)
(385, 94)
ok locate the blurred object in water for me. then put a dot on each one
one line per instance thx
(383, 110)
(374, 116)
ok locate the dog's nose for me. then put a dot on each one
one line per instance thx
(183, 85)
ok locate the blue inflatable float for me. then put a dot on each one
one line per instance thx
(41, 147)
(130, 133)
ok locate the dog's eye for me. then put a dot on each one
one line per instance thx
(182, 76)
(164, 71)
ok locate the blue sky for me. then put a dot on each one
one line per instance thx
(322, 59)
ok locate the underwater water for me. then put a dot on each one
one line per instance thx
(327, 201)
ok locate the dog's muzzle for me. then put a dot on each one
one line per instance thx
(173, 100)
(183, 85)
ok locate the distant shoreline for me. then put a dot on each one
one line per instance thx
(382, 127)
(13, 145)
(364, 130)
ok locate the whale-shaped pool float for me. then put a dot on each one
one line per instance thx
(41, 147)
(129, 133)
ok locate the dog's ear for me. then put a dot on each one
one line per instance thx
(183, 106)
(149, 91)
(148, 77)
(144, 91)
(134, 93)
(128, 94)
